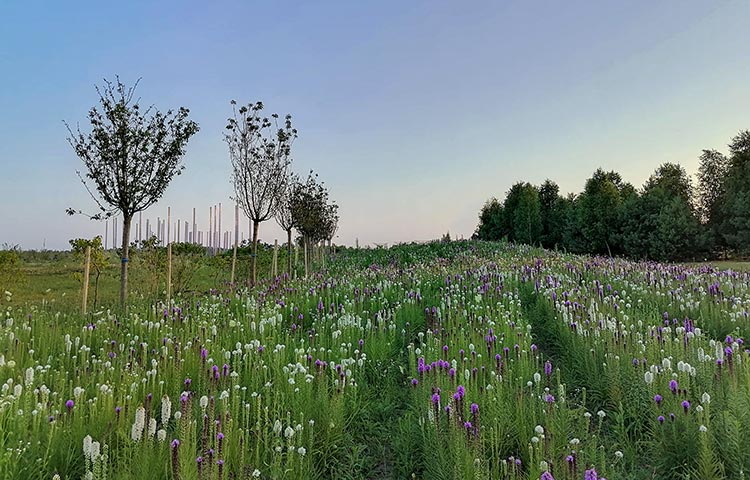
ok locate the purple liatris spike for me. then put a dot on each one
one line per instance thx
(474, 408)
(546, 476)
(591, 475)
(548, 368)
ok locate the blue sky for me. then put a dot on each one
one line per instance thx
(414, 113)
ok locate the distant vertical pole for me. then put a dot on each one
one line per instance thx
(140, 226)
(186, 231)
(221, 246)
(195, 228)
(275, 257)
(178, 231)
(106, 232)
(356, 243)
(210, 223)
(169, 273)
(86, 268)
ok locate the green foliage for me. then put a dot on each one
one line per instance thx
(490, 221)
(10, 268)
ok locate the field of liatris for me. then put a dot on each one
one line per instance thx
(458, 360)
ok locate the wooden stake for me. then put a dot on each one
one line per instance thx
(169, 273)
(86, 269)
(305, 245)
(236, 239)
(275, 258)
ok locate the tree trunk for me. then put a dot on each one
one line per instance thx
(289, 251)
(124, 260)
(96, 287)
(256, 226)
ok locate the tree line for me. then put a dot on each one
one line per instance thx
(670, 218)
(131, 154)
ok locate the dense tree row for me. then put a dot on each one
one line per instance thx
(667, 219)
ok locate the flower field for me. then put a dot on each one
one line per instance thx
(441, 361)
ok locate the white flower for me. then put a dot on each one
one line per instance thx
(539, 429)
(706, 398)
(543, 466)
(648, 377)
(152, 427)
(574, 441)
(256, 473)
(161, 435)
(166, 409)
(302, 451)
(702, 429)
(177, 415)
(87, 446)
(136, 431)
(534, 439)
(29, 376)
(601, 414)
(204, 402)
(289, 432)
(618, 454)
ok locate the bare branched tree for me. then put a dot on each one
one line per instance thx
(260, 150)
(131, 155)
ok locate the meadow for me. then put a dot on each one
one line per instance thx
(446, 360)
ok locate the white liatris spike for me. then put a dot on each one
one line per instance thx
(17, 390)
(204, 402)
(161, 435)
(648, 377)
(87, 446)
(56, 477)
(706, 398)
(95, 450)
(140, 423)
(151, 428)
(166, 409)
(289, 432)
(277, 427)
(29, 376)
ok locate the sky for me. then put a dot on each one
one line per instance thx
(413, 113)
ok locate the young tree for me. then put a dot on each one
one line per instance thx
(131, 155)
(284, 216)
(98, 261)
(311, 213)
(260, 151)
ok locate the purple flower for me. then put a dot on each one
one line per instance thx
(436, 398)
(685, 405)
(591, 475)
(70, 404)
(414, 382)
(548, 368)
(657, 399)
(673, 386)
(546, 476)
(175, 444)
(474, 408)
